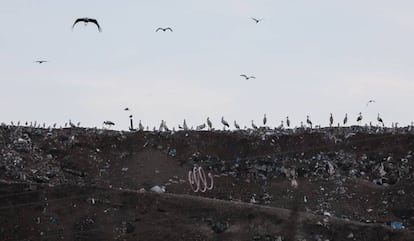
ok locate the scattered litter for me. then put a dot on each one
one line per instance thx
(220, 227)
(158, 189)
(397, 225)
(327, 214)
(172, 152)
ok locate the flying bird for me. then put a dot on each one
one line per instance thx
(163, 29)
(40, 61)
(257, 20)
(247, 77)
(86, 21)
(126, 109)
(370, 101)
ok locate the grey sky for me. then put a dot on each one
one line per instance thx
(309, 57)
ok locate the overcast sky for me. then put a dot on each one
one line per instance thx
(309, 58)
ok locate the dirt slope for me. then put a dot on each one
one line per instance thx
(324, 184)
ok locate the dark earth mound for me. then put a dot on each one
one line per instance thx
(350, 183)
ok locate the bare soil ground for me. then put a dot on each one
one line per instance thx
(88, 184)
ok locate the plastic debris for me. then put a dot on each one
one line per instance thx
(172, 152)
(397, 225)
(158, 189)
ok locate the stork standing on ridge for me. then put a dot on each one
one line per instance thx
(308, 121)
(236, 125)
(287, 121)
(161, 126)
(346, 118)
(254, 126)
(331, 120)
(281, 125)
(140, 126)
(70, 123)
(380, 120)
(225, 123)
(264, 120)
(209, 123)
(185, 127)
(165, 126)
(109, 123)
(200, 127)
(359, 118)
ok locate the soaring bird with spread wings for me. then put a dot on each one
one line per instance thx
(163, 29)
(370, 101)
(86, 21)
(247, 77)
(257, 20)
(40, 61)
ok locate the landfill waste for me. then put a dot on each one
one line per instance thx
(220, 227)
(158, 189)
(350, 173)
(172, 152)
(397, 225)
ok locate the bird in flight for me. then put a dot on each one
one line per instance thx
(370, 101)
(86, 21)
(163, 29)
(257, 20)
(247, 77)
(40, 61)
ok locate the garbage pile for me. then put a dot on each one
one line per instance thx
(331, 161)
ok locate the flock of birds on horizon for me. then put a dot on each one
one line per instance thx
(163, 125)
